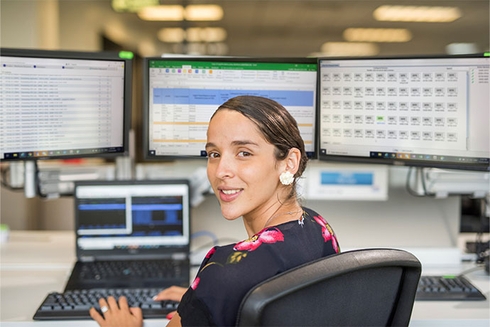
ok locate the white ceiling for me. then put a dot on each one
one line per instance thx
(300, 27)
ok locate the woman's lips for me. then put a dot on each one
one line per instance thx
(228, 195)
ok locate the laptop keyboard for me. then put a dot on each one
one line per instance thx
(76, 304)
(100, 270)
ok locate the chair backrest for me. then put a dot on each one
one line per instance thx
(368, 287)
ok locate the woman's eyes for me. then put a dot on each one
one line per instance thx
(244, 154)
(214, 155)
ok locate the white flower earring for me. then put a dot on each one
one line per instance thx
(286, 178)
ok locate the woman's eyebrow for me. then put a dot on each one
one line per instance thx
(209, 145)
(244, 142)
(234, 143)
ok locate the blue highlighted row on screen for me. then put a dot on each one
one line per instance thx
(134, 207)
(331, 178)
(217, 97)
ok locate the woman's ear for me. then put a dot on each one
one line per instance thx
(293, 160)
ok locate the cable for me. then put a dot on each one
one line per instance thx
(203, 233)
(38, 181)
(467, 271)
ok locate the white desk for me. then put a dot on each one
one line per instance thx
(34, 263)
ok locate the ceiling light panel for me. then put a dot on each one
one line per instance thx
(193, 34)
(132, 5)
(349, 49)
(162, 13)
(203, 13)
(417, 14)
(377, 35)
(171, 35)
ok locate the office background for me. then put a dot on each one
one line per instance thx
(256, 28)
(253, 28)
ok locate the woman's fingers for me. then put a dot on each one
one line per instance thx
(123, 303)
(117, 313)
(96, 316)
(137, 312)
(173, 293)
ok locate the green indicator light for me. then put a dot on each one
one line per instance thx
(126, 55)
(449, 276)
(486, 54)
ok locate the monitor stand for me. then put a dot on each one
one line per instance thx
(30, 179)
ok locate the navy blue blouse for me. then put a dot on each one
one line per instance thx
(228, 272)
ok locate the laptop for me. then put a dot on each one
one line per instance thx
(131, 234)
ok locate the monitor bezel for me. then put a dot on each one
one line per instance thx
(392, 161)
(146, 105)
(84, 55)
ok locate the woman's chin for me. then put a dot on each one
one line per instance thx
(230, 215)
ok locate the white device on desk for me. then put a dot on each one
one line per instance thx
(346, 182)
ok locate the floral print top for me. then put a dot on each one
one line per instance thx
(228, 272)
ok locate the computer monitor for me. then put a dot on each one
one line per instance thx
(62, 104)
(415, 111)
(180, 94)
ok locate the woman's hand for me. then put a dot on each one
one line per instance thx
(173, 293)
(116, 314)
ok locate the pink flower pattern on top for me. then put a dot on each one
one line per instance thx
(264, 236)
(195, 283)
(327, 232)
(210, 252)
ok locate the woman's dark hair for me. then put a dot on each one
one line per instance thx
(276, 124)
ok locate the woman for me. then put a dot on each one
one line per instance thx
(255, 157)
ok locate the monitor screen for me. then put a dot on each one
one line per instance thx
(181, 94)
(61, 104)
(425, 111)
(123, 215)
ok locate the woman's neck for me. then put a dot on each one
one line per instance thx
(274, 216)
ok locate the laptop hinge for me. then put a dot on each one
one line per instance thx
(174, 256)
(179, 256)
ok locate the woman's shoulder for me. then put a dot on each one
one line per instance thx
(315, 216)
(311, 212)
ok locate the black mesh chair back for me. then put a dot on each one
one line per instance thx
(368, 287)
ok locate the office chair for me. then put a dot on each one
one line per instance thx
(368, 287)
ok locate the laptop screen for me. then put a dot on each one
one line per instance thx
(131, 216)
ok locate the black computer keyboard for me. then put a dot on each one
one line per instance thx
(447, 288)
(76, 304)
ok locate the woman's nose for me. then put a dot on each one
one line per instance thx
(225, 167)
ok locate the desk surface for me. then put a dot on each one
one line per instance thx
(34, 263)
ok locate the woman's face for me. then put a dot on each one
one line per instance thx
(242, 169)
